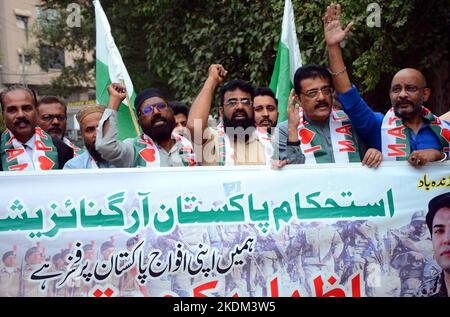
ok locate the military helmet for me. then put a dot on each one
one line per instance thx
(418, 216)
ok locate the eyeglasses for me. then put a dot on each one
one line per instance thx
(51, 117)
(311, 94)
(149, 109)
(234, 102)
(410, 89)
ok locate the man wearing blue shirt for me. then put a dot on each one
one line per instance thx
(408, 131)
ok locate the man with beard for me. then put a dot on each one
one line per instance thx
(408, 131)
(52, 118)
(315, 129)
(24, 145)
(157, 146)
(88, 118)
(235, 141)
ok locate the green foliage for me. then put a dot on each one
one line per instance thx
(171, 43)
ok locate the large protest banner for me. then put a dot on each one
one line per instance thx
(326, 230)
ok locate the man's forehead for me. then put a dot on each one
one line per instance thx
(314, 82)
(50, 107)
(18, 95)
(151, 101)
(237, 93)
(408, 76)
(263, 100)
(442, 216)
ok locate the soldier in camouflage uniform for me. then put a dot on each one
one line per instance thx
(83, 287)
(412, 253)
(265, 262)
(321, 245)
(190, 237)
(107, 250)
(362, 253)
(57, 265)
(128, 285)
(438, 222)
(33, 262)
(9, 275)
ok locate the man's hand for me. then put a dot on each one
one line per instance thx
(421, 157)
(117, 93)
(217, 74)
(293, 114)
(372, 158)
(279, 164)
(334, 34)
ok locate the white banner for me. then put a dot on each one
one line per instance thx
(327, 230)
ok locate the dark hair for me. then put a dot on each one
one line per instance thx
(132, 241)
(179, 107)
(232, 86)
(14, 88)
(265, 91)
(434, 205)
(6, 255)
(144, 95)
(31, 251)
(51, 99)
(310, 71)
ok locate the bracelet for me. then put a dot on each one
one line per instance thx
(445, 157)
(338, 73)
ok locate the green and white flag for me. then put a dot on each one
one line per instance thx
(287, 62)
(110, 68)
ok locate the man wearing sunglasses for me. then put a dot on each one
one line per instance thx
(408, 131)
(235, 141)
(156, 147)
(52, 118)
(315, 132)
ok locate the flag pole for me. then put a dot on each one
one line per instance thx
(133, 117)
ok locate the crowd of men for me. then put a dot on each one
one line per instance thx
(317, 129)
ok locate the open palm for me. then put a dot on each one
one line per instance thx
(334, 33)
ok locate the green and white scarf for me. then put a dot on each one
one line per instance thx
(345, 146)
(147, 153)
(15, 158)
(76, 150)
(395, 137)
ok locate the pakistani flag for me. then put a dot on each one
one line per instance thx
(110, 68)
(287, 62)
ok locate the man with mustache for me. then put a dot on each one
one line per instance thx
(24, 146)
(408, 131)
(438, 221)
(52, 118)
(88, 118)
(235, 141)
(265, 106)
(317, 130)
(157, 146)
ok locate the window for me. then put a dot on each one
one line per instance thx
(21, 22)
(25, 58)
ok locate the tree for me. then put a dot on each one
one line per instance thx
(170, 43)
